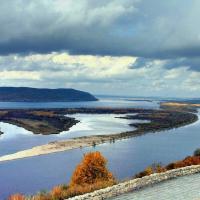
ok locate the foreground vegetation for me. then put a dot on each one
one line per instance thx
(158, 168)
(90, 175)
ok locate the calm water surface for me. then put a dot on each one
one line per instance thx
(16, 138)
(126, 157)
(103, 102)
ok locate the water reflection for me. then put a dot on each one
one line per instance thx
(16, 138)
(126, 157)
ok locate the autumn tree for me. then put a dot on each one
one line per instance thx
(92, 169)
(16, 197)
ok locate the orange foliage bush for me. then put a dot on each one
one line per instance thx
(80, 189)
(91, 170)
(42, 197)
(148, 171)
(157, 168)
(90, 175)
(16, 197)
(58, 192)
(160, 169)
(188, 161)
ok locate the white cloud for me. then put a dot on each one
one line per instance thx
(19, 75)
(176, 73)
(98, 74)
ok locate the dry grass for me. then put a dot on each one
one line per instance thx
(43, 113)
(90, 175)
(188, 161)
(180, 104)
(17, 197)
(79, 190)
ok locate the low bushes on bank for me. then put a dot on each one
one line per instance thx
(90, 175)
(17, 197)
(158, 168)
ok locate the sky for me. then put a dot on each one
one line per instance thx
(113, 47)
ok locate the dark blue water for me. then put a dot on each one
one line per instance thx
(125, 158)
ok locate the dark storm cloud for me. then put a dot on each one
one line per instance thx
(144, 28)
(192, 63)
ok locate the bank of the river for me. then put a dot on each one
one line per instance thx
(159, 120)
(125, 158)
(139, 183)
(38, 122)
(54, 121)
(181, 106)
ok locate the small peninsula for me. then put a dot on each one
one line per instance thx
(55, 121)
(26, 94)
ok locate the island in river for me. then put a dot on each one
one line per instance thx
(55, 121)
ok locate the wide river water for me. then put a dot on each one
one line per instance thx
(125, 157)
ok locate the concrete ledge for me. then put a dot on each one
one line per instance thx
(138, 183)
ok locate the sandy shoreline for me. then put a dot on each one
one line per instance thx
(57, 146)
(159, 121)
(180, 104)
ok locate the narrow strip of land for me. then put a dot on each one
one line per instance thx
(57, 146)
(43, 122)
(159, 120)
(181, 106)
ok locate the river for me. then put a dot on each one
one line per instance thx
(125, 157)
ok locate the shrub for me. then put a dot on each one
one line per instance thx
(58, 192)
(90, 175)
(42, 196)
(82, 189)
(91, 170)
(16, 197)
(158, 168)
(188, 161)
(171, 166)
(197, 152)
(148, 171)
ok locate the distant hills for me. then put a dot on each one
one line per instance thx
(25, 94)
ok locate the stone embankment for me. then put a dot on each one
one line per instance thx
(135, 184)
